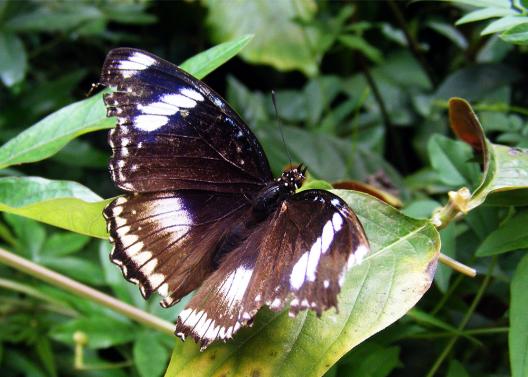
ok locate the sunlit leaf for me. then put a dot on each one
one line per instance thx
(503, 24)
(279, 40)
(517, 34)
(204, 63)
(65, 204)
(52, 133)
(485, 13)
(376, 293)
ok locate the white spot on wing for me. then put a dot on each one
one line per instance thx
(298, 272)
(150, 122)
(136, 62)
(158, 108)
(191, 93)
(179, 100)
(234, 286)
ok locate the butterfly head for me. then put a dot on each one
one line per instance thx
(293, 178)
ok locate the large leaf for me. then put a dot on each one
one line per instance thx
(375, 294)
(65, 204)
(279, 40)
(52, 133)
(518, 337)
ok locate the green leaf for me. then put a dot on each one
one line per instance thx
(102, 332)
(279, 40)
(450, 32)
(476, 82)
(79, 269)
(61, 17)
(507, 170)
(375, 294)
(204, 63)
(13, 60)
(45, 353)
(517, 34)
(510, 236)
(31, 236)
(452, 161)
(355, 42)
(52, 133)
(64, 204)
(503, 24)
(380, 362)
(484, 14)
(150, 355)
(60, 244)
(518, 335)
(456, 369)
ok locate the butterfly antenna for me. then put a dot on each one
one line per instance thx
(279, 125)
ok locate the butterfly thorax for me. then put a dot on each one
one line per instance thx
(277, 191)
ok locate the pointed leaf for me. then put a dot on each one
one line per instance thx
(375, 294)
(52, 133)
(204, 63)
(503, 24)
(484, 14)
(517, 34)
(510, 236)
(65, 204)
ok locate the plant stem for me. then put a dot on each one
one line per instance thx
(457, 266)
(398, 153)
(82, 290)
(449, 346)
(413, 44)
(472, 332)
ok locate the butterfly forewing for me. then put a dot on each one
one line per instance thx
(298, 256)
(165, 241)
(174, 132)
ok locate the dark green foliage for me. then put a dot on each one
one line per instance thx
(362, 92)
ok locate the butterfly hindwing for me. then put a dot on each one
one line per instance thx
(165, 241)
(299, 255)
(173, 132)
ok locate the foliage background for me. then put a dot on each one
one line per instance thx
(362, 92)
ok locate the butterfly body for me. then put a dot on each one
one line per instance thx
(203, 213)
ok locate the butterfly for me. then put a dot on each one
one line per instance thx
(203, 213)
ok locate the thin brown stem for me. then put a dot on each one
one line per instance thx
(82, 290)
(413, 44)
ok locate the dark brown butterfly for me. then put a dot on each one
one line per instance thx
(203, 212)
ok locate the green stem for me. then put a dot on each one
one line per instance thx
(467, 333)
(447, 295)
(82, 290)
(449, 346)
